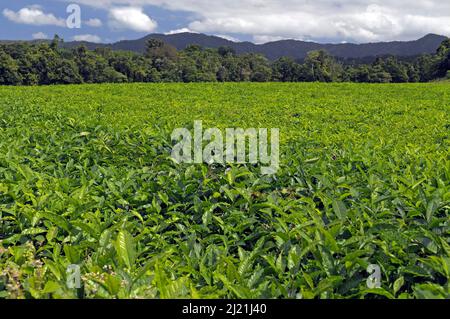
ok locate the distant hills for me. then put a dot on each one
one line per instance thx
(292, 48)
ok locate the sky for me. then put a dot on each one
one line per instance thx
(259, 21)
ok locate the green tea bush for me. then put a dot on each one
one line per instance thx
(86, 178)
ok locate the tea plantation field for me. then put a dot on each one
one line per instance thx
(86, 179)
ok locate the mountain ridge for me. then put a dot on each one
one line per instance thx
(295, 49)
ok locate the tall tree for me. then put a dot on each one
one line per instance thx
(9, 70)
(286, 70)
(443, 55)
(321, 66)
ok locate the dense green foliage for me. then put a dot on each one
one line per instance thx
(85, 178)
(32, 64)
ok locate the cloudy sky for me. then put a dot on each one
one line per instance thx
(241, 20)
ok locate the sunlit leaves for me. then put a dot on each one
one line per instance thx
(92, 186)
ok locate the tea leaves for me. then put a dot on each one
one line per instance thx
(86, 178)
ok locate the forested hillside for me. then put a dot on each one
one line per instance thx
(51, 63)
(295, 49)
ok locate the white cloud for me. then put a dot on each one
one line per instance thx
(95, 23)
(227, 37)
(40, 36)
(88, 38)
(325, 20)
(354, 20)
(182, 30)
(33, 15)
(131, 18)
(260, 39)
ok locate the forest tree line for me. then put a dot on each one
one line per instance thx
(49, 63)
